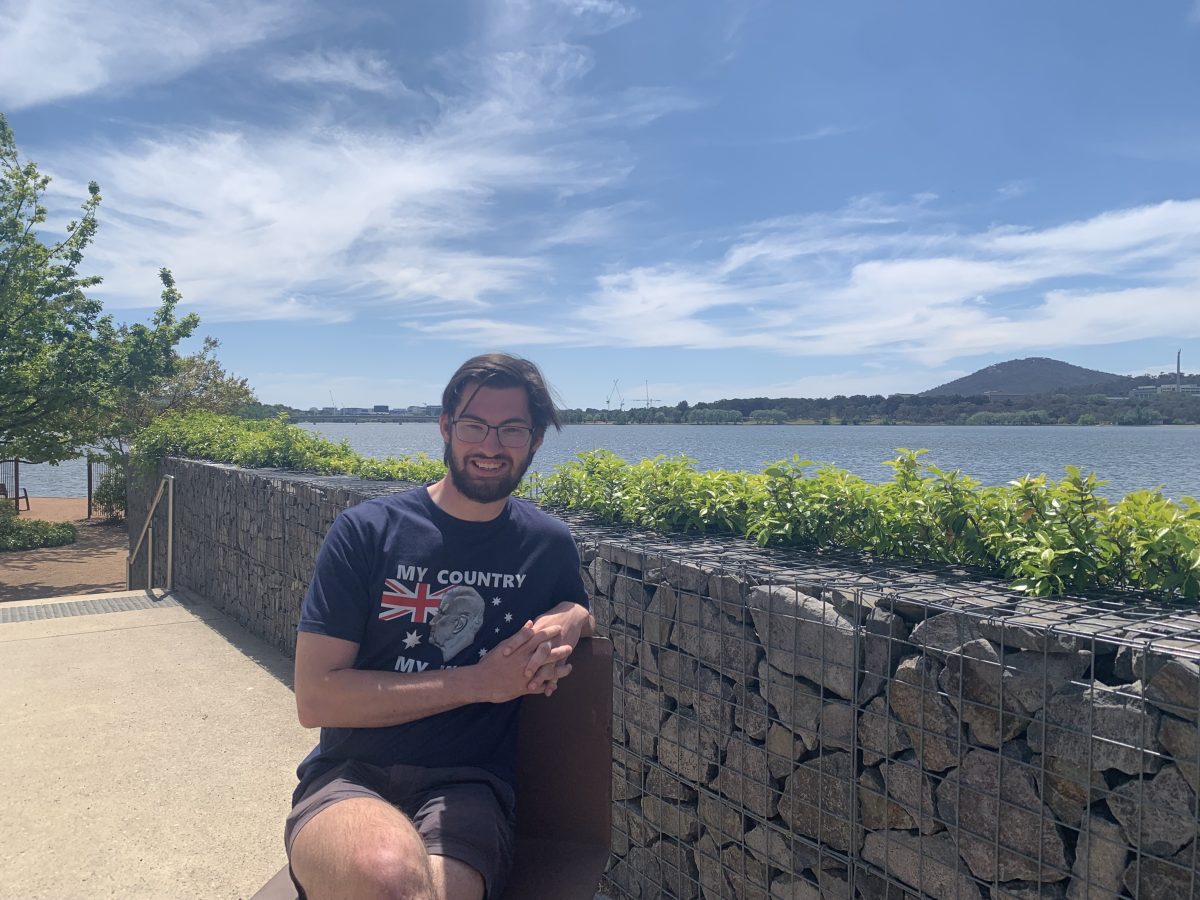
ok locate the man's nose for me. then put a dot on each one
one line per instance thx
(492, 440)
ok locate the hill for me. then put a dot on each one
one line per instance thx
(1034, 375)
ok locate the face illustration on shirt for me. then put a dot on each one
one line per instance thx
(457, 622)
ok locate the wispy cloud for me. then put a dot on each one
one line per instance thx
(56, 49)
(884, 283)
(360, 70)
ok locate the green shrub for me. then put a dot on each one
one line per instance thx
(1047, 537)
(109, 496)
(30, 534)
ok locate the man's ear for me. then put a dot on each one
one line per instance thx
(444, 427)
(538, 437)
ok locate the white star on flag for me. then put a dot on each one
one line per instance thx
(411, 640)
(496, 601)
(508, 617)
(482, 652)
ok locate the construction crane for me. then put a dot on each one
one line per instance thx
(620, 399)
(332, 402)
(649, 399)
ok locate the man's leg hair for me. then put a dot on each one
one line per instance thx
(453, 879)
(362, 849)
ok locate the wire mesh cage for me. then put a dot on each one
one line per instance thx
(791, 725)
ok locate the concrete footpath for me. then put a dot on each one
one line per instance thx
(149, 750)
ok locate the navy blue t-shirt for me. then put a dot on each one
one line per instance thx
(419, 590)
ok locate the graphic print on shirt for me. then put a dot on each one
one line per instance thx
(458, 621)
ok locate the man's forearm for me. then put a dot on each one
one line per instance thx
(358, 698)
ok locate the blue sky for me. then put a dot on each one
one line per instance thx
(715, 198)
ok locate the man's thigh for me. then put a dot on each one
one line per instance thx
(462, 814)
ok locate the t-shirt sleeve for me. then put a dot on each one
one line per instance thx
(570, 580)
(337, 603)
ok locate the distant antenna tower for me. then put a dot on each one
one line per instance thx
(649, 399)
(1178, 373)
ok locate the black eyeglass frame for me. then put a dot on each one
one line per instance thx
(499, 429)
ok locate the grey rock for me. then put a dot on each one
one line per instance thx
(1123, 728)
(1175, 688)
(928, 863)
(779, 849)
(659, 618)
(747, 876)
(1099, 860)
(880, 734)
(837, 726)
(750, 712)
(679, 876)
(816, 801)
(638, 874)
(944, 633)
(604, 573)
(784, 747)
(719, 817)
(913, 790)
(1029, 890)
(1148, 878)
(678, 674)
(715, 639)
(798, 706)
(1069, 788)
(640, 709)
(932, 723)
(622, 555)
(808, 637)
(1004, 831)
(1158, 815)
(626, 785)
(686, 748)
(712, 700)
(788, 888)
(629, 599)
(880, 813)
(647, 663)
(671, 818)
(707, 859)
(682, 574)
(996, 697)
(885, 637)
(744, 777)
(1182, 740)
(662, 783)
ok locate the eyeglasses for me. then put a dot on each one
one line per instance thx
(470, 431)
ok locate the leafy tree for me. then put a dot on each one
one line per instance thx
(69, 377)
(52, 336)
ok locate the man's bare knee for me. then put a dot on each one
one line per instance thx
(361, 848)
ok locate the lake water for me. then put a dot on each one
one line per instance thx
(1128, 458)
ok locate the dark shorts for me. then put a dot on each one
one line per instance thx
(464, 813)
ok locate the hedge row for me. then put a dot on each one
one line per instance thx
(30, 534)
(1048, 537)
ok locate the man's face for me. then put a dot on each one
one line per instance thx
(488, 471)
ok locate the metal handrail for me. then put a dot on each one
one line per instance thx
(168, 484)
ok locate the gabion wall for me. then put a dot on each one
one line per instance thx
(792, 725)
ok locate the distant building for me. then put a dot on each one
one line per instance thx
(433, 410)
(416, 410)
(330, 410)
(1151, 390)
(353, 411)
(381, 408)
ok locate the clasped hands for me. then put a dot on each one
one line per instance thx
(534, 660)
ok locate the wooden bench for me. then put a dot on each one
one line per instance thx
(564, 807)
(23, 495)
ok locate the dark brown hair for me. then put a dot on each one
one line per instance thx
(504, 370)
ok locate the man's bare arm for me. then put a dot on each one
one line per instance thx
(331, 693)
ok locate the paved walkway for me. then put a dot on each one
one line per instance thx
(95, 562)
(149, 753)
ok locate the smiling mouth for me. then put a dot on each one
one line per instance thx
(488, 466)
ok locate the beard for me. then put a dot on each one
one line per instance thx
(484, 490)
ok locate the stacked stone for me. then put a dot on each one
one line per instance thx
(787, 741)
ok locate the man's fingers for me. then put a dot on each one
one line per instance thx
(546, 653)
(512, 644)
(549, 674)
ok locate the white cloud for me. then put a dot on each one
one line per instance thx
(56, 49)
(361, 70)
